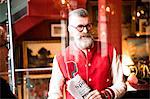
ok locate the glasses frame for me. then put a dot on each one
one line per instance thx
(81, 27)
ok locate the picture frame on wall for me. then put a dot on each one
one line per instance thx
(40, 54)
(36, 86)
(57, 30)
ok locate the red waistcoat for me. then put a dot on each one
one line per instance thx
(95, 68)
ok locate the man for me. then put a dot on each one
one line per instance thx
(3, 50)
(5, 92)
(97, 65)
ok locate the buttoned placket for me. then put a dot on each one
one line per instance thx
(87, 65)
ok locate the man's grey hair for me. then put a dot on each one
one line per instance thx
(79, 12)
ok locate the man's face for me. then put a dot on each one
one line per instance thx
(80, 29)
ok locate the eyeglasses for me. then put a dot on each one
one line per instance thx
(80, 27)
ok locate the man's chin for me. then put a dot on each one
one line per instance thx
(85, 43)
(85, 39)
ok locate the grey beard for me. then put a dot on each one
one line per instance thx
(84, 43)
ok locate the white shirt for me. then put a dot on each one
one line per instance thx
(57, 79)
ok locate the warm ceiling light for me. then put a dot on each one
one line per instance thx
(63, 1)
(133, 17)
(112, 12)
(137, 34)
(138, 14)
(102, 6)
(108, 9)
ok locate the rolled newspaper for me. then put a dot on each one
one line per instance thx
(77, 87)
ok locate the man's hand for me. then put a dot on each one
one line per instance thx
(94, 95)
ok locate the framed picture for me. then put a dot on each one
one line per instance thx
(57, 30)
(39, 54)
(36, 86)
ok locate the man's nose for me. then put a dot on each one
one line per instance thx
(85, 30)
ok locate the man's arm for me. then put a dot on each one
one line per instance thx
(56, 82)
(119, 86)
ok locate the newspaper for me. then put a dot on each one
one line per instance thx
(77, 87)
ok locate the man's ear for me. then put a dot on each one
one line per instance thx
(70, 30)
